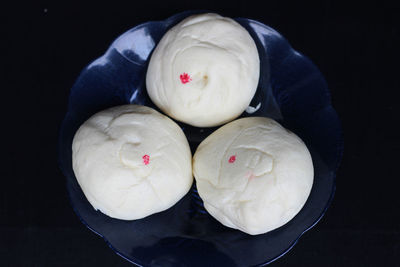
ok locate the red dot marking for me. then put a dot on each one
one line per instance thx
(232, 159)
(185, 78)
(146, 159)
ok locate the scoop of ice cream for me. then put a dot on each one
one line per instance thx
(204, 71)
(131, 161)
(253, 174)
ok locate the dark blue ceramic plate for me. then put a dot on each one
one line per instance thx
(291, 90)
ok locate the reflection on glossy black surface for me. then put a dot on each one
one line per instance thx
(291, 90)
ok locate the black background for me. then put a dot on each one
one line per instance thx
(46, 45)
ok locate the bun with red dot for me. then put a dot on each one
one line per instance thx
(253, 174)
(204, 71)
(131, 161)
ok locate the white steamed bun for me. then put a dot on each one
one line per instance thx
(204, 71)
(253, 174)
(131, 161)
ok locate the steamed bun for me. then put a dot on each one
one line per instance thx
(131, 161)
(204, 71)
(253, 174)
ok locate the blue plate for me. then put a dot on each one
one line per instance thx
(291, 90)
